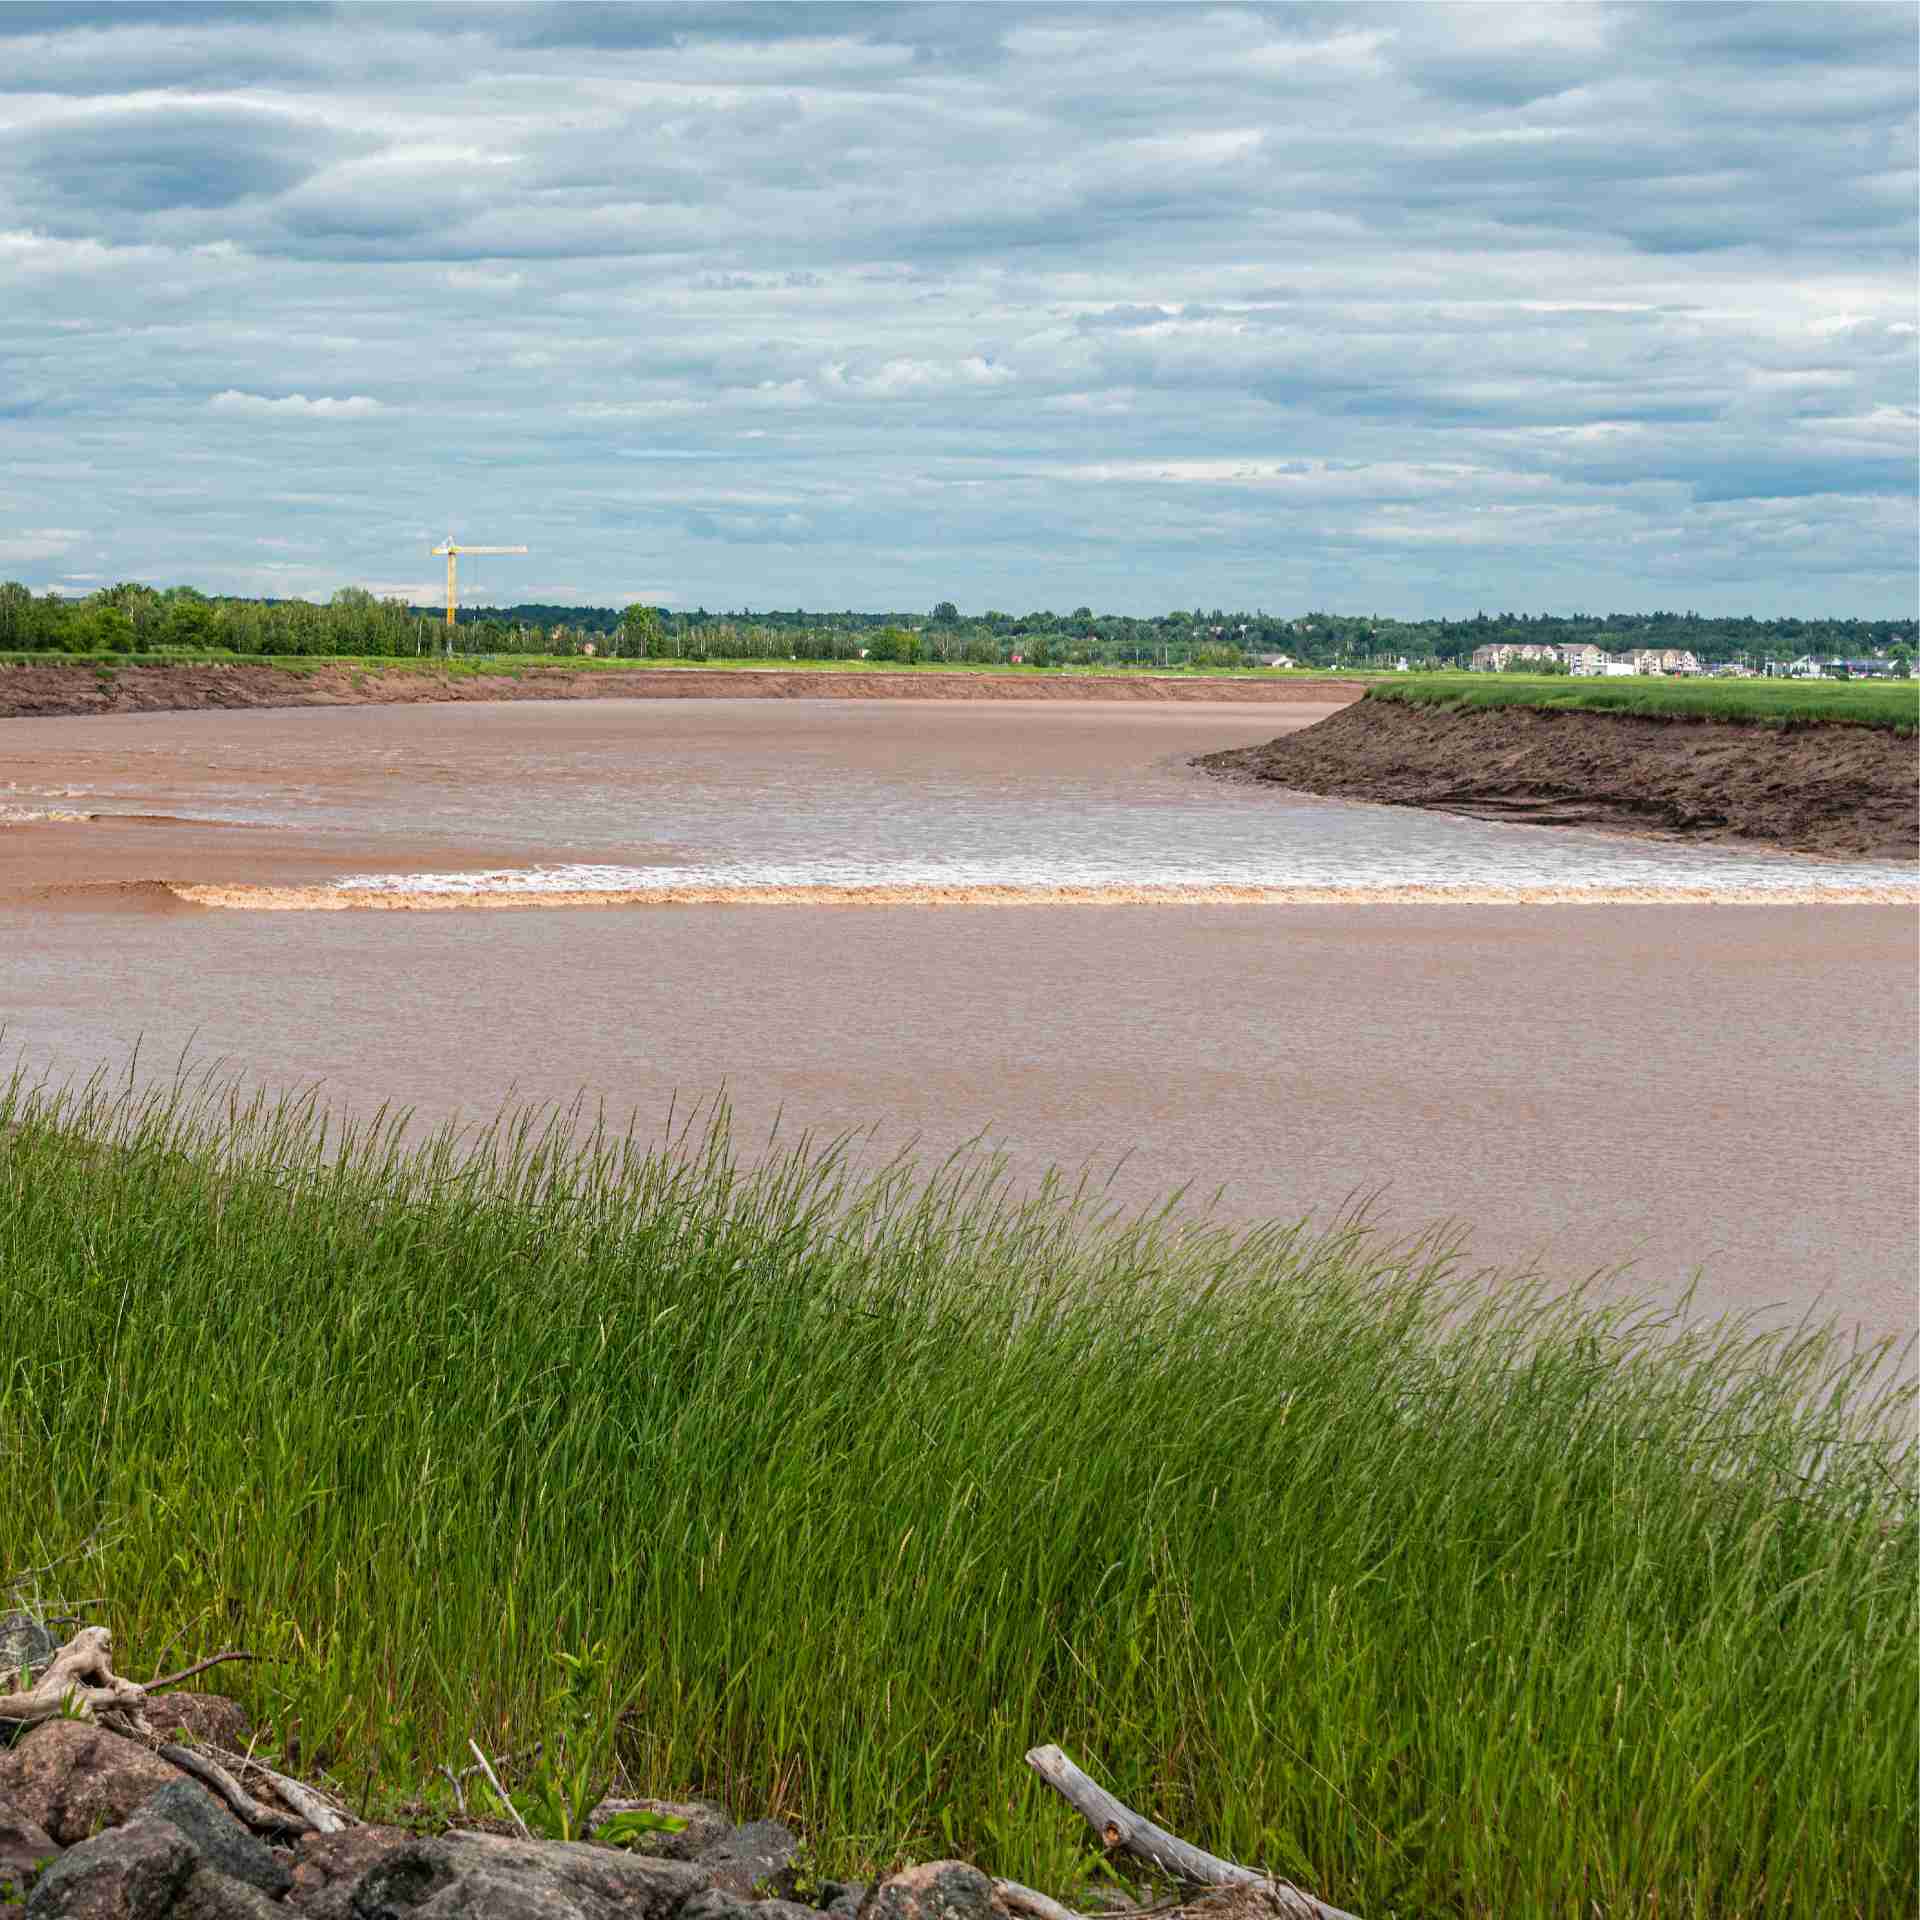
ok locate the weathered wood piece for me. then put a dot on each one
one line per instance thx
(320, 1813)
(1033, 1906)
(79, 1678)
(249, 1811)
(1121, 1830)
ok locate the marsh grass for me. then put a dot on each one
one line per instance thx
(1892, 705)
(1446, 1597)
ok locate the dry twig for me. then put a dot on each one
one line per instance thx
(500, 1792)
(199, 1666)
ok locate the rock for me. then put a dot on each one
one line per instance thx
(707, 1825)
(225, 1845)
(24, 1642)
(842, 1898)
(405, 1880)
(205, 1719)
(940, 1890)
(715, 1905)
(23, 1847)
(326, 1866)
(24, 1646)
(209, 1895)
(73, 1778)
(759, 1855)
(127, 1873)
(487, 1895)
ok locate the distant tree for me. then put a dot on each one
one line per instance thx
(640, 631)
(16, 615)
(946, 614)
(106, 628)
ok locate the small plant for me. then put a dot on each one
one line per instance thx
(568, 1773)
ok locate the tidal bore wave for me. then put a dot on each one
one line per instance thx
(400, 898)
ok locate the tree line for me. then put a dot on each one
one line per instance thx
(130, 617)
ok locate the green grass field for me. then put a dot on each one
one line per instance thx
(1890, 704)
(1441, 1600)
(473, 664)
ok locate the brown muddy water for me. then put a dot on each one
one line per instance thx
(1720, 1089)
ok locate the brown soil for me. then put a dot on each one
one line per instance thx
(67, 687)
(1852, 791)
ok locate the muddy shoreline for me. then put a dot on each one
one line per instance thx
(37, 689)
(1840, 791)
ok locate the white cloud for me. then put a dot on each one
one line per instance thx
(40, 543)
(484, 279)
(1309, 294)
(295, 406)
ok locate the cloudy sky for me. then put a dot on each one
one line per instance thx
(1378, 309)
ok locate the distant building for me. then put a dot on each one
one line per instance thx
(1277, 660)
(1501, 655)
(1583, 657)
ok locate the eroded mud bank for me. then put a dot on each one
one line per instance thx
(1834, 790)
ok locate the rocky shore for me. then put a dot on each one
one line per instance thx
(54, 686)
(106, 1814)
(1844, 791)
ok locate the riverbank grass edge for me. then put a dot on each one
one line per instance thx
(855, 1479)
(1890, 705)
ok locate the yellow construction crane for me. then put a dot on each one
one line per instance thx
(452, 552)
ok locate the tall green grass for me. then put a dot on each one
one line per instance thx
(1893, 705)
(1440, 1597)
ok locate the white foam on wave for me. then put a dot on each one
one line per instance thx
(1789, 879)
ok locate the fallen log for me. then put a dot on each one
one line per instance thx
(1121, 1830)
(78, 1679)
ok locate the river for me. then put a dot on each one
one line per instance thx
(1721, 1092)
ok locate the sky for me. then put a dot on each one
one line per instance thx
(1407, 310)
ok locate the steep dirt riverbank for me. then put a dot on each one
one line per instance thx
(72, 687)
(1831, 789)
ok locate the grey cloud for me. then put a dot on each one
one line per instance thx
(812, 301)
(158, 159)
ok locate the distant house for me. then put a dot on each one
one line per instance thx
(1663, 660)
(1277, 660)
(1499, 656)
(1583, 657)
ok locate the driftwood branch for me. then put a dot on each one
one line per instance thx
(1033, 1906)
(199, 1666)
(262, 1819)
(78, 1679)
(320, 1813)
(1121, 1830)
